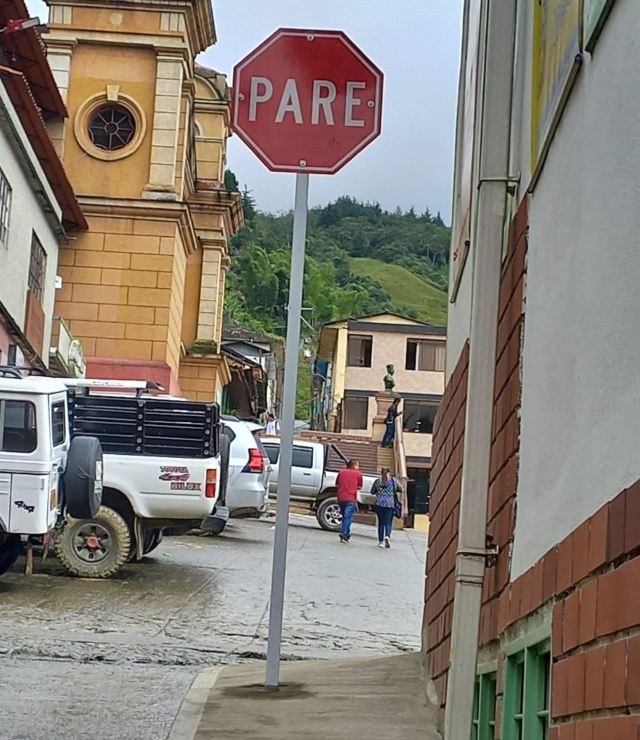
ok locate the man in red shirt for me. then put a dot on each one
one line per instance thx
(349, 482)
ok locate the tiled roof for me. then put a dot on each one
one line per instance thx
(25, 52)
(34, 126)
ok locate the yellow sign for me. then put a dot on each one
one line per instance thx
(557, 30)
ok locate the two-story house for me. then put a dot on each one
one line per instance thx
(353, 355)
(38, 208)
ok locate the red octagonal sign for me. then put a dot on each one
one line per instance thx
(307, 101)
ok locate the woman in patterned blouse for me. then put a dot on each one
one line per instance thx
(385, 489)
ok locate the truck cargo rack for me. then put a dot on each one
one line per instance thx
(162, 427)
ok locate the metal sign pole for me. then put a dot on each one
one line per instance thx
(287, 424)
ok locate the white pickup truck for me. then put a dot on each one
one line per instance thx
(159, 467)
(161, 472)
(312, 483)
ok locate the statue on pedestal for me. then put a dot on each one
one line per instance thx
(389, 380)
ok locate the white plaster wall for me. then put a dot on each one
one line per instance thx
(581, 373)
(27, 215)
(417, 445)
(391, 348)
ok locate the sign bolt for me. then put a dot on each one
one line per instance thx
(372, 104)
(241, 96)
(303, 163)
(311, 37)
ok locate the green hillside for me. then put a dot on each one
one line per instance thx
(408, 293)
(361, 259)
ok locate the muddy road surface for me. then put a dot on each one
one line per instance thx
(82, 658)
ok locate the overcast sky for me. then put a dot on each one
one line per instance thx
(417, 46)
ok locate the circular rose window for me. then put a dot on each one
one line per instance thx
(111, 127)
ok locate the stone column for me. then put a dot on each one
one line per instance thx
(166, 125)
(209, 314)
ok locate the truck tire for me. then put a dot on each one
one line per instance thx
(95, 547)
(82, 478)
(10, 550)
(329, 515)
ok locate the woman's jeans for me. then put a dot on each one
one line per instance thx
(385, 521)
(348, 509)
(389, 434)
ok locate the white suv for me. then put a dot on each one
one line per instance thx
(246, 489)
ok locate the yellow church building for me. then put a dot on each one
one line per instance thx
(144, 147)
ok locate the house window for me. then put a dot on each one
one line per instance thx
(419, 416)
(526, 693)
(484, 708)
(37, 268)
(356, 413)
(359, 351)
(5, 207)
(425, 354)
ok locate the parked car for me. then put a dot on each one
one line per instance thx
(312, 482)
(244, 489)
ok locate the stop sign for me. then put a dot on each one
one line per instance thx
(307, 101)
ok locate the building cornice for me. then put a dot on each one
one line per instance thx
(162, 210)
(198, 14)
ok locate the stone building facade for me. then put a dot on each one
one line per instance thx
(145, 148)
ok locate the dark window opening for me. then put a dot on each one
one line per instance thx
(356, 413)
(112, 127)
(17, 426)
(425, 354)
(302, 457)
(419, 416)
(58, 417)
(37, 268)
(359, 351)
(273, 452)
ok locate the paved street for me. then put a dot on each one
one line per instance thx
(71, 650)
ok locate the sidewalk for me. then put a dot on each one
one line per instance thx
(359, 698)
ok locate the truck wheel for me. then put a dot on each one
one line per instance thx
(10, 549)
(95, 547)
(152, 538)
(82, 479)
(329, 515)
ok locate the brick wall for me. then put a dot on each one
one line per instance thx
(446, 480)
(592, 577)
(503, 474)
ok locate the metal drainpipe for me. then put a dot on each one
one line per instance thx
(496, 68)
